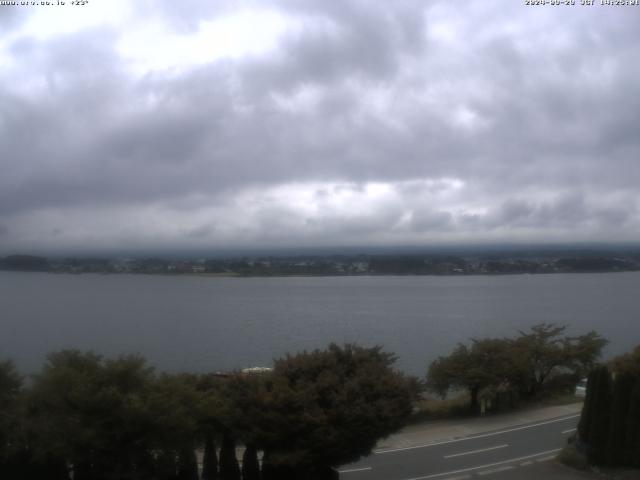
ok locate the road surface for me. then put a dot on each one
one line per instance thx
(482, 455)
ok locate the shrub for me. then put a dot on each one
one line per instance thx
(571, 457)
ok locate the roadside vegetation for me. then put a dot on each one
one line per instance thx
(540, 364)
(609, 430)
(88, 417)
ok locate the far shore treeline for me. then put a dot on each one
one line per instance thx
(83, 416)
(506, 262)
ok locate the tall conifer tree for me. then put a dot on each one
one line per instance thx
(632, 433)
(622, 389)
(210, 459)
(599, 421)
(229, 468)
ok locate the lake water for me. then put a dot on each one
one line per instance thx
(205, 324)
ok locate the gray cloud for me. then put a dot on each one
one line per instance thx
(476, 119)
(203, 231)
(11, 17)
(425, 221)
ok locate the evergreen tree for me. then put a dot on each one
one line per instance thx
(25, 466)
(229, 468)
(586, 418)
(622, 389)
(599, 422)
(82, 471)
(632, 434)
(250, 464)
(268, 470)
(187, 465)
(10, 414)
(210, 459)
(166, 467)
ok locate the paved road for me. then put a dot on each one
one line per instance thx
(478, 456)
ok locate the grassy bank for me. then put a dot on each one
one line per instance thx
(457, 406)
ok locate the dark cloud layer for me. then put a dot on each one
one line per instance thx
(417, 123)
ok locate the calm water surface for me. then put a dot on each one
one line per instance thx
(202, 324)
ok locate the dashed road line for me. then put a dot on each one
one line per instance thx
(476, 451)
(351, 470)
(496, 470)
(480, 467)
(569, 430)
(545, 459)
(484, 435)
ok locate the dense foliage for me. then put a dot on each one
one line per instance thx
(538, 362)
(609, 428)
(88, 417)
(327, 408)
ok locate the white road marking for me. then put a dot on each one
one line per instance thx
(528, 462)
(463, 477)
(476, 451)
(545, 459)
(569, 431)
(496, 470)
(480, 467)
(350, 470)
(484, 435)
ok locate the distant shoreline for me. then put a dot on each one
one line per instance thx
(310, 275)
(506, 263)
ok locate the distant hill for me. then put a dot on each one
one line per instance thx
(28, 263)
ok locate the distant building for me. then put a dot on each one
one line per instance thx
(256, 370)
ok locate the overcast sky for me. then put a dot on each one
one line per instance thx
(213, 124)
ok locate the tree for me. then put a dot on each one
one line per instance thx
(64, 400)
(110, 418)
(627, 370)
(174, 406)
(542, 350)
(487, 363)
(229, 468)
(588, 412)
(610, 422)
(209, 421)
(166, 465)
(631, 452)
(250, 464)
(599, 421)
(326, 408)
(546, 354)
(538, 361)
(209, 459)
(187, 464)
(582, 352)
(622, 390)
(10, 387)
(628, 363)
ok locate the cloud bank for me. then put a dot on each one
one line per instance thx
(300, 123)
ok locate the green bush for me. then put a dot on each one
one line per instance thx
(571, 457)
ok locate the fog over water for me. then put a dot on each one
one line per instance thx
(204, 324)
